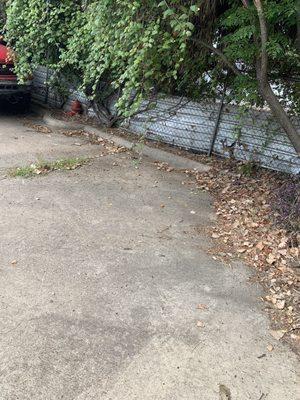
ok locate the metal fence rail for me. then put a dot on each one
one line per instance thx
(254, 135)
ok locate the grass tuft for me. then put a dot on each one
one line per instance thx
(44, 167)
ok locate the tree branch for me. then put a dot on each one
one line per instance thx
(264, 40)
(220, 54)
(298, 27)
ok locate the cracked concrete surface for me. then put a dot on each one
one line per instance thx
(111, 265)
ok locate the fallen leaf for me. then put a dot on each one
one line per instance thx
(202, 307)
(280, 304)
(226, 189)
(241, 250)
(283, 244)
(270, 347)
(271, 259)
(278, 334)
(260, 246)
(295, 337)
(283, 252)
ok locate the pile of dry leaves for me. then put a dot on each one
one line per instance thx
(246, 228)
(109, 145)
(37, 127)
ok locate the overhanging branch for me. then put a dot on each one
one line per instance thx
(220, 54)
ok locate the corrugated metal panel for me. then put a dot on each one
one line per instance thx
(190, 125)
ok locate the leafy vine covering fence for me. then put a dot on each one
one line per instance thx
(245, 135)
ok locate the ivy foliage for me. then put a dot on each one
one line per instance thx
(133, 49)
(2, 14)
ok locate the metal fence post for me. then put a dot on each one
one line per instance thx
(216, 127)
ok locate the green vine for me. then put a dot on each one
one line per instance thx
(132, 50)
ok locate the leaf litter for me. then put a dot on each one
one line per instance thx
(246, 229)
(109, 146)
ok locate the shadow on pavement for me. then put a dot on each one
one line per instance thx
(7, 108)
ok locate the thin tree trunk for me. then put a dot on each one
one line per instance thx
(262, 76)
(104, 115)
(279, 112)
(298, 26)
(264, 85)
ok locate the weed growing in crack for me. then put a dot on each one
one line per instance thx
(44, 167)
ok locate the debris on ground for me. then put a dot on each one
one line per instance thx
(44, 167)
(202, 307)
(37, 127)
(224, 393)
(246, 227)
(109, 145)
(92, 138)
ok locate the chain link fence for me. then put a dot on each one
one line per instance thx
(202, 127)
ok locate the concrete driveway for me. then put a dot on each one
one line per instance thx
(112, 265)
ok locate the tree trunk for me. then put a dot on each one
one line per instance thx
(279, 113)
(298, 26)
(104, 116)
(264, 86)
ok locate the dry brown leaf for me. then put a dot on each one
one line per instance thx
(280, 304)
(283, 252)
(278, 334)
(271, 259)
(202, 307)
(241, 250)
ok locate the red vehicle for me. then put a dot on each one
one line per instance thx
(10, 90)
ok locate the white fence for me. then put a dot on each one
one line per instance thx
(254, 135)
